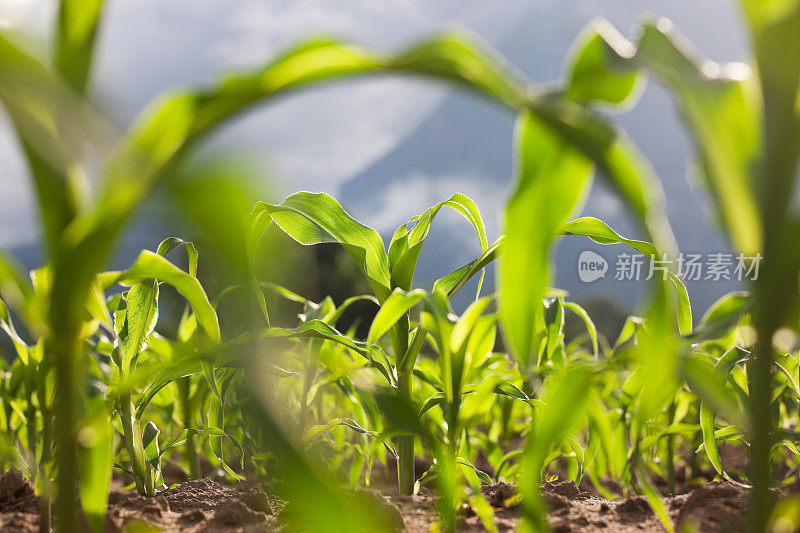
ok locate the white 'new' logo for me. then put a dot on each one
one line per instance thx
(591, 266)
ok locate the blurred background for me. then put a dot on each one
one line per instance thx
(386, 148)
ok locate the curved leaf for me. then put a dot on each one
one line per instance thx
(311, 218)
(397, 305)
(722, 368)
(452, 282)
(78, 21)
(590, 327)
(601, 233)
(153, 266)
(406, 245)
(718, 102)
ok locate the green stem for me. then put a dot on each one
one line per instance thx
(405, 449)
(187, 417)
(45, 497)
(671, 451)
(449, 483)
(759, 377)
(406, 475)
(33, 432)
(769, 290)
(66, 360)
(132, 435)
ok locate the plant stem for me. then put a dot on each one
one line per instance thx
(769, 291)
(406, 475)
(405, 449)
(133, 442)
(671, 451)
(190, 451)
(46, 496)
(32, 430)
(66, 361)
(759, 377)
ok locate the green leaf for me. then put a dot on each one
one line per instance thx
(321, 330)
(333, 317)
(684, 306)
(721, 370)
(150, 445)
(97, 305)
(171, 243)
(596, 73)
(722, 317)
(618, 161)
(601, 233)
(552, 178)
(7, 325)
(397, 305)
(484, 511)
(53, 124)
(483, 476)
(437, 398)
(718, 102)
(134, 321)
(310, 219)
(185, 366)
(407, 362)
(216, 418)
(137, 314)
(406, 245)
(468, 325)
(317, 430)
(15, 287)
(452, 282)
(554, 327)
(655, 501)
(284, 292)
(78, 21)
(454, 56)
(590, 327)
(185, 434)
(154, 266)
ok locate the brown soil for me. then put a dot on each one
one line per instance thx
(206, 505)
(201, 505)
(713, 507)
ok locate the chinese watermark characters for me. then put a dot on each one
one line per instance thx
(716, 266)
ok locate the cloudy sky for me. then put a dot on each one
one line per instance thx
(388, 147)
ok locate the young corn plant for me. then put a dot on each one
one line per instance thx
(312, 219)
(462, 346)
(135, 318)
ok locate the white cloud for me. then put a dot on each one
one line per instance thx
(318, 139)
(603, 204)
(32, 18)
(17, 211)
(406, 198)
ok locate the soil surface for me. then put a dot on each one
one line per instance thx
(712, 507)
(206, 505)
